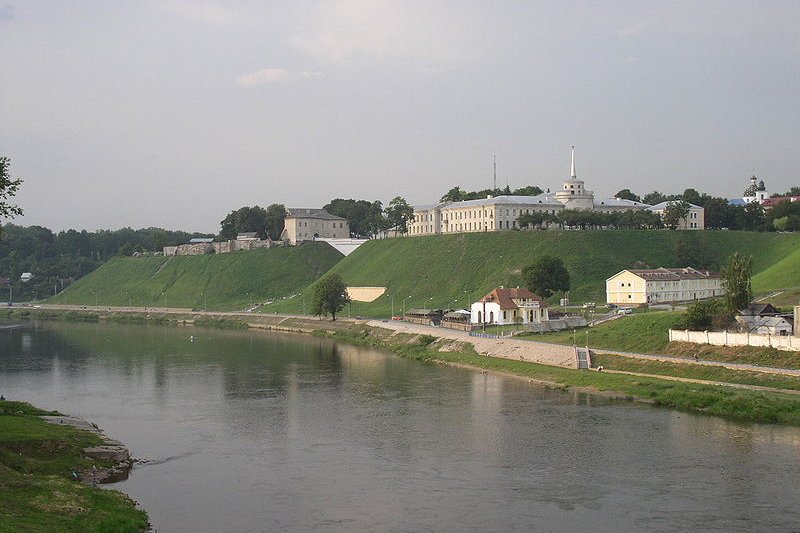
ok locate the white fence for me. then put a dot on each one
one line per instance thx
(726, 338)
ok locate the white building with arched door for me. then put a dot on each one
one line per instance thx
(509, 306)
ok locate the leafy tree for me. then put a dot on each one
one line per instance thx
(656, 197)
(754, 217)
(364, 218)
(244, 220)
(626, 194)
(399, 213)
(736, 282)
(528, 190)
(674, 213)
(453, 195)
(538, 219)
(276, 214)
(694, 197)
(546, 275)
(330, 296)
(707, 315)
(8, 188)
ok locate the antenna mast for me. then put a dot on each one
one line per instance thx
(494, 166)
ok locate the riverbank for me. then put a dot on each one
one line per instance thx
(548, 363)
(50, 466)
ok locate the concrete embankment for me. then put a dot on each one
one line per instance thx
(506, 348)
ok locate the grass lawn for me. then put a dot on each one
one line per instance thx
(37, 493)
(692, 371)
(640, 332)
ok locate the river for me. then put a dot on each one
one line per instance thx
(252, 432)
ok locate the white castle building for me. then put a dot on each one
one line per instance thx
(501, 212)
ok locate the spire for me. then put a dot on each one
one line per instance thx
(572, 174)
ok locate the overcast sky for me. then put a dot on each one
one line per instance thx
(174, 113)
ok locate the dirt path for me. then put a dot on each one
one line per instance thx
(706, 382)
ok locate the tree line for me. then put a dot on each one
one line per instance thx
(366, 219)
(57, 259)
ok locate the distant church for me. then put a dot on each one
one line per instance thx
(755, 192)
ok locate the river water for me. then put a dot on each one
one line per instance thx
(251, 432)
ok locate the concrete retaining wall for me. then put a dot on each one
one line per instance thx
(726, 338)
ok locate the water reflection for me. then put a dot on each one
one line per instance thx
(252, 432)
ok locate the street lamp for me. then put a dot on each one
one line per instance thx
(164, 294)
(404, 305)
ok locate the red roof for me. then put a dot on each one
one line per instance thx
(771, 202)
(505, 297)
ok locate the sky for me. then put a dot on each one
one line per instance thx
(174, 113)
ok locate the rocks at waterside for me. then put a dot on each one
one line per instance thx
(110, 450)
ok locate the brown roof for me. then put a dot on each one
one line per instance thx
(674, 274)
(505, 297)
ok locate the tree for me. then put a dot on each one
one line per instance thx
(8, 188)
(626, 194)
(276, 214)
(244, 220)
(707, 314)
(735, 277)
(675, 212)
(330, 296)
(694, 197)
(399, 213)
(546, 275)
(453, 195)
(528, 190)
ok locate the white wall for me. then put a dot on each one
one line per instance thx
(724, 338)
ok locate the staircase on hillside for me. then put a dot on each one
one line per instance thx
(583, 358)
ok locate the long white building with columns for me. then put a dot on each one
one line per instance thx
(501, 212)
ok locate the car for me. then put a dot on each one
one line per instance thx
(624, 311)
(589, 305)
(397, 318)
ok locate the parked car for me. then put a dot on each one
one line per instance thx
(624, 311)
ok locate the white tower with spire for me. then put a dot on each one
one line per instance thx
(574, 195)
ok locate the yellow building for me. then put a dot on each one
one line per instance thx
(662, 285)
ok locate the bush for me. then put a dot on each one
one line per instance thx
(707, 314)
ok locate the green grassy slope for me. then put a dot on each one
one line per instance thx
(436, 271)
(220, 282)
(781, 274)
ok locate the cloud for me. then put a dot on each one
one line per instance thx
(340, 29)
(209, 11)
(634, 29)
(6, 12)
(265, 76)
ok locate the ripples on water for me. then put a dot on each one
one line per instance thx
(245, 431)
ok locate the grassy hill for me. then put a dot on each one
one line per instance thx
(218, 282)
(447, 270)
(783, 274)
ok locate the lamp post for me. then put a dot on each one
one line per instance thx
(404, 305)
(392, 306)
(164, 294)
